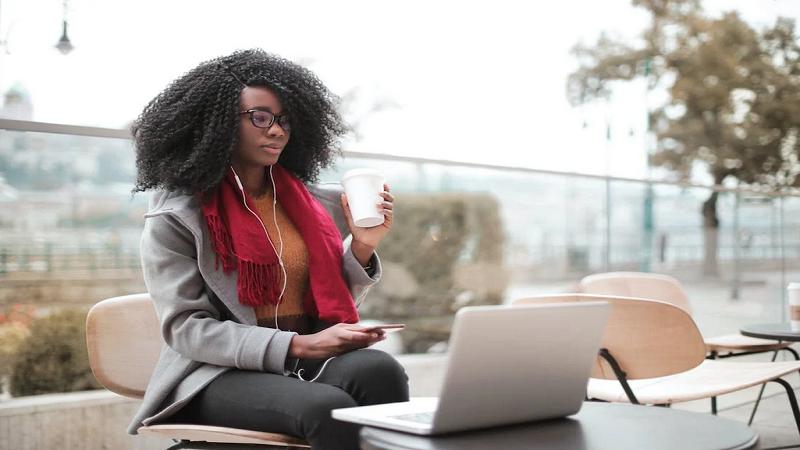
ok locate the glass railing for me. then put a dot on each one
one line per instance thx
(465, 234)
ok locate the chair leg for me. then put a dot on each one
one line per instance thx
(621, 376)
(713, 355)
(760, 393)
(793, 352)
(792, 400)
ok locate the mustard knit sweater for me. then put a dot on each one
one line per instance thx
(290, 312)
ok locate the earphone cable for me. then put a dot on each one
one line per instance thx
(266, 233)
(280, 239)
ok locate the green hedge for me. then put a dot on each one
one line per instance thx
(444, 251)
(53, 358)
(11, 335)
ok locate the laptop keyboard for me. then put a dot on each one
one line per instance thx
(423, 417)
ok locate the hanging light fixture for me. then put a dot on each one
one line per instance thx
(64, 45)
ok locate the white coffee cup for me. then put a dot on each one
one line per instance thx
(793, 293)
(363, 188)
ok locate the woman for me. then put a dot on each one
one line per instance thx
(255, 293)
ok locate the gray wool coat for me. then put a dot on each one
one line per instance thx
(205, 329)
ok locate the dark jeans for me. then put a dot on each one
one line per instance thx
(278, 404)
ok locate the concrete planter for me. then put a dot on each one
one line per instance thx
(75, 420)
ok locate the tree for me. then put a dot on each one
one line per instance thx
(356, 110)
(356, 107)
(734, 96)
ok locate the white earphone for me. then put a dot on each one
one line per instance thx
(298, 373)
(280, 238)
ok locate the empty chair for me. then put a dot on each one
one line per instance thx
(668, 289)
(653, 353)
(124, 341)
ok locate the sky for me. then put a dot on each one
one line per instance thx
(465, 80)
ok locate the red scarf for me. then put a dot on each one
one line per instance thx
(238, 239)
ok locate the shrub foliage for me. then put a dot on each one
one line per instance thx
(53, 358)
(436, 238)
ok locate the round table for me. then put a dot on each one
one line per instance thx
(597, 426)
(775, 331)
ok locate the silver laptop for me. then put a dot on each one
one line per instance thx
(507, 365)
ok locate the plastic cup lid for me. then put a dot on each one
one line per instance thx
(357, 172)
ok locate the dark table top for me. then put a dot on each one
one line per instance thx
(778, 331)
(598, 426)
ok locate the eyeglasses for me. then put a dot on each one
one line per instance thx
(265, 119)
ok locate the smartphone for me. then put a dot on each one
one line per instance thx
(387, 328)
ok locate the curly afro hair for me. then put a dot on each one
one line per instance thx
(185, 137)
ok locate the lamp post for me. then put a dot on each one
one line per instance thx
(647, 225)
(3, 43)
(64, 45)
(608, 182)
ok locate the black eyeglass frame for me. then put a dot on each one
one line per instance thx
(271, 122)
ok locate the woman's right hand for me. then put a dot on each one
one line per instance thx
(332, 341)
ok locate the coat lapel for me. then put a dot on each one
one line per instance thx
(223, 285)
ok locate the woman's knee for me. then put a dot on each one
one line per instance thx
(318, 409)
(379, 376)
(320, 428)
(382, 365)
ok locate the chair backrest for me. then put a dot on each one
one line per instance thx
(651, 286)
(647, 338)
(124, 340)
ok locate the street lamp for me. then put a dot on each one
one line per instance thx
(4, 43)
(648, 224)
(64, 45)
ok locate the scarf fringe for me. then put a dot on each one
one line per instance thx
(221, 243)
(259, 284)
(233, 232)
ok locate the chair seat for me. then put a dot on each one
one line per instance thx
(207, 433)
(710, 379)
(740, 343)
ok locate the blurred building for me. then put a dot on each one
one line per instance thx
(17, 104)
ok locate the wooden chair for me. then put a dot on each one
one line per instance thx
(653, 353)
(124, 340)
(667, 289)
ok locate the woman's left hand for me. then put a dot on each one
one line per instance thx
(366, 239)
